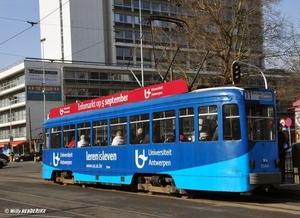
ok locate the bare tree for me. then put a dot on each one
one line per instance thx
(282, 56)
(233, 30)
(247, 30)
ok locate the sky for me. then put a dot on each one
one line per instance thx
(19, 39)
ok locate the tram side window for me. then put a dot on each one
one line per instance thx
(139, 129)
(69, 136)
(164, 126)
(207, 122)
(186, 125)
(260, 122)
(56, 137)
(84, 134)
(231, 122)
(47, 138)
(118, 131)
(100, 133)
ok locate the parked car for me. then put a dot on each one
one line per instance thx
(4, 156)
(27, 157)
(3, 163)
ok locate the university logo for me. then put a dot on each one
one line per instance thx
(140, 158)
(61, 111)
(147, 93)
(56, 159)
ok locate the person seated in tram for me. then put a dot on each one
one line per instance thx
(215, 132)
(183, 138)
(72, 143)
(204, 134)
(82, 142)
(146, 139)
(118, 139)
(139, 136)
(97, 143)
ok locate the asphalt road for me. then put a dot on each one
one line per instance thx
(23, 192)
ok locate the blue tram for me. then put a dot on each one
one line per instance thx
(219, 139)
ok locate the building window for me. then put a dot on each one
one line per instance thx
(127, 3)
(69, 74)
(146, 5)
(94, 92)
(156, 7)
(123, 18)
(125, 36)
(118, 2)
(104, 76)
(123, 3)
(95, 75)
(123, 53)
(164, 8)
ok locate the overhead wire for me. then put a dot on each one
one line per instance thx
(8, 18)
(15, 35)
(32, 24)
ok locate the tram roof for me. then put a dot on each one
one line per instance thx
(218, 88)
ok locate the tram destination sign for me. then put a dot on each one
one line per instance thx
(258, 95)
(136, 95)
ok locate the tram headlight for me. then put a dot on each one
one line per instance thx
(252, 164)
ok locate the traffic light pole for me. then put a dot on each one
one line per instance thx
(251, 65)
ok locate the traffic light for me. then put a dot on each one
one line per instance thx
(235, 72)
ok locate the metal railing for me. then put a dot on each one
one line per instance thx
(289, 169)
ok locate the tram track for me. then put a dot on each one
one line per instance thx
(259, 202)
(277, 202)
(69, 207)
(266, 203)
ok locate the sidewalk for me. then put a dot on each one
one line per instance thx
(290, 187)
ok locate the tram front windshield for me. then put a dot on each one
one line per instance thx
(260, 122)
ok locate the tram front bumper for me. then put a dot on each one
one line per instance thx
(264, 178)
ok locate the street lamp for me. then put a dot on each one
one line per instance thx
(10, 130)
(44, 82)
(141, 42)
